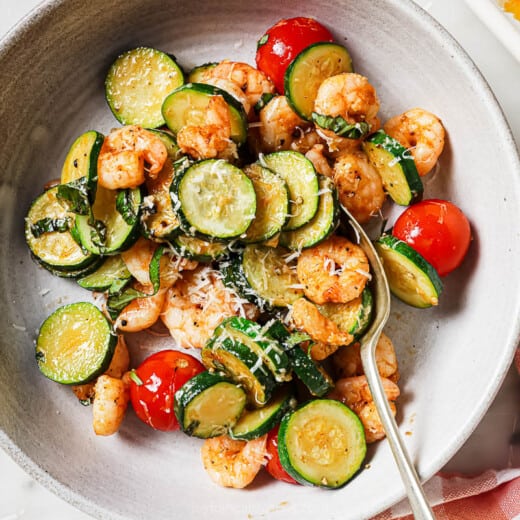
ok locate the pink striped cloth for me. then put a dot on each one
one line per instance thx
(493, 495)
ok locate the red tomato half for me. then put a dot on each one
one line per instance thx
(274, 466)
(154, 384)
(436, 229)
(283, 41)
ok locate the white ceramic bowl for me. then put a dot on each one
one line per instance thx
(453, 358)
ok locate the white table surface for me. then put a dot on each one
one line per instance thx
(490, 445)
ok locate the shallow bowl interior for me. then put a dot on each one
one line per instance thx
(453, 358)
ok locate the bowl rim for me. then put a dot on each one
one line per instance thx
(45, 9)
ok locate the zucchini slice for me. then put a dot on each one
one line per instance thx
(255, 423)
(242, 365)
(173, 150)
(188, 104)
(208, 405)
(272, 204)
(111, 276)
(264, 276)
(197, 73)
(321, 225)
(396, 167)
(302, 182)
(410, 277)
(254, 336)
(159, 221)
(307, 72)
(322, 443)
(214, 199)
(309, 371)
(353, 317)
(81, 160)
(195, 248)
(117, 215)
(47, 233)
(75, 344)
(137, 84)
(75, 273)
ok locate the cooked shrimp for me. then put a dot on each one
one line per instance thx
(280, 126)
(347, 361)
(118, 366)
(124, 154)
(355, 393)
(232, 463)
(110, 403)
(318, 159)
(211, 139)
(359, 186)
(350, 96)
(251, 81)
(141, 313)
(308, 318)
(231, 88)
(138, 257)
(335, 270)
(422, 133)
(197, 303)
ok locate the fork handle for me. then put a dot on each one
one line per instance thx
(418, 503)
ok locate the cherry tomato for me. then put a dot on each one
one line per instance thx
(154, 384)
(274, 466)
(436, 229)
(283, 41)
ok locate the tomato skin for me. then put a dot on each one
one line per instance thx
(154, 384)
(274, 466)
(436, 229)
(283, 41)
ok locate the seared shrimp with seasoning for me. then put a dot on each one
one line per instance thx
(355, 393)
(211, 140)
(422, 133)
(359, 186)
(126, 154)
(307, 318)
(335, 270)
(197, 303)
(233, 463)
(252, 82)
(111, 397)
(349, 96)
(347, 360)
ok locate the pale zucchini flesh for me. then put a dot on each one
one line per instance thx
(410, 277)
(302, 182)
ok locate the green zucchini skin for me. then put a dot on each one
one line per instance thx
(120, 233)
(75, 344)
(410, 277)
(238, 362)
(57, 251)
(75, 273)
(307, 72)
(321, 226)
(322, 443)
(112, 272)
(81, 160)
(195, 405)
(187, 105)
(137, 84)
(255, 423)
(196, 73)
(261, 275)
(302, 182)
(214, 200)
(396, 166)
(256, 338)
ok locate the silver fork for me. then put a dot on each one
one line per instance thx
(420, 507)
